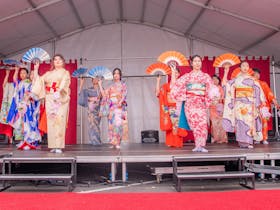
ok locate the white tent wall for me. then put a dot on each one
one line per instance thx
(132, 47)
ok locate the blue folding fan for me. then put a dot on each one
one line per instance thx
(80, 72)
(101, 72)
(7, 67)
(12, 62)
(35, 54)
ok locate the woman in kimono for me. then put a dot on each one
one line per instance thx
(169, 116)
(216, 114)
(193, 88)
(243, 100)
(8, 92)
(91, 98)
(270, 99)
(54, 87)
(24, 112)
(114, 98)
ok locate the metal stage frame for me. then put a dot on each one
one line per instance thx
(144, 153)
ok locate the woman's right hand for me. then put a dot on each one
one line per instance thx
(36, 65)
(158, 78)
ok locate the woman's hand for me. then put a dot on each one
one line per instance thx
(36, 65)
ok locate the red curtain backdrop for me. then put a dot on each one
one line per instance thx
(71, 132)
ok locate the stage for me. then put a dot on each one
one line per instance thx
(142, 153)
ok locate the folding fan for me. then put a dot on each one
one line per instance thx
(7, 67)
(227, 58)
(158, 67)
(79, 72)
(35, 54)
(12, 62)
(169, 57)
(100, 71)
(237, 71)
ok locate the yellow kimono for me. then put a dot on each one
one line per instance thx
(54, 87)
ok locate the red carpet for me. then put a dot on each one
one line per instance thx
(255, 200)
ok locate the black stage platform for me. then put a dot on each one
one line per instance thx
(144, 153)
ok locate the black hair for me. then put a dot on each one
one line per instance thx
(257, 70)
(196, 56)
(25, 69)
(120, 71)
(242, 63)
(216, 76)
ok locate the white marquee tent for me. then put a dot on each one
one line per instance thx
(131, 34)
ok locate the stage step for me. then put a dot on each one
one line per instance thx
(67, 178)
(231, 174)
(159, 171)
(241, 173)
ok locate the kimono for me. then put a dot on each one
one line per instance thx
(54, 87)
(24, 114)
(8, 93)
(169, 117)
(243, 98)
(116, 108)
(216, 117)
(193, 88)
(269, 99)
(91, 99)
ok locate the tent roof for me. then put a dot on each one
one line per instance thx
(242, 26)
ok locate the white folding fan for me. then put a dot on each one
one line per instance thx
(101, 72)
(35, 54)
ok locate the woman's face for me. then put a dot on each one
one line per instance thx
(94, 81)
(23, 74)
(117, 76)
(196, 63)
(244, 67)
(58, 62)
(215, 80)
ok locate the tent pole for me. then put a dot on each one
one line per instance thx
(277, 136)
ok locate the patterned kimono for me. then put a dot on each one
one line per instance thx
(115, 101)
(24, 113)
(243, 98)
(91, 98)
(169, 117)
(216, 116)
(8, 93)
(269, 96)
(193, 88)
(54, 87)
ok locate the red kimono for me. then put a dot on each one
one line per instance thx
(169, 117)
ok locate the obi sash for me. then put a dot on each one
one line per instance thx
(243, 92)
(197, 89)
(51, 89)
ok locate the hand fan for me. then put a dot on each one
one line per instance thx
(158, 67)
(101, 72)
(227, 58)
(169, 57)
(79, 72)
(35, 54)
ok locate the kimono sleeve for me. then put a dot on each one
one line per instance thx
(82, 98)
(178, 89)
(229, 115)
(38, 87)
